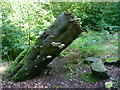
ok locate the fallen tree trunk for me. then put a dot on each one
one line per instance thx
(49, 44)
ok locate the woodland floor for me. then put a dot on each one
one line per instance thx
(60, 77)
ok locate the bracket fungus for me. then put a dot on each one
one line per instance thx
(51, 36)
(35, 66)
(49, 56)
(41, 46)
(38, 56)
(41, 33)
(37, 37)
(55, 44)
(61, 46)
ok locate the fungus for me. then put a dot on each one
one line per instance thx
(41, 46)
(37, 45)
(25, 68)
(40, 33)
(38, 56)
(49, 56)
(71, 20)
(55, 44)
(77, 19)
(61, 46)
(51, 36)
(37, 37)
(80, 22)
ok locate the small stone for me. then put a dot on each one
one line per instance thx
(108, 84)
(25, 68)
(49, 56)
(99, 70)
(35, 66)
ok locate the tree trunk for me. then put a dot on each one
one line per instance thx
(32, 61)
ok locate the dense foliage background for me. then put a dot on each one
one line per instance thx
(21, 22)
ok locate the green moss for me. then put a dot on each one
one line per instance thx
(15, 63)
(19, 76)
(112, 60)
(64, 53)
(18, 63)
(88, 77)
(56, 86)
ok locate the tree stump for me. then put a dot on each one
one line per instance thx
(48, 45)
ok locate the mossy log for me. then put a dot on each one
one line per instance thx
(49, 44)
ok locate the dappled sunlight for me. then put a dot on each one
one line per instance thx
(35, 47)
(3, 67)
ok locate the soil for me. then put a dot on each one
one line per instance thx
(59, 76)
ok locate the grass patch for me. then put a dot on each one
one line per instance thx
(97, 44)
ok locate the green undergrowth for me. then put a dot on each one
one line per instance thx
(88, 77)
(97, 44)
(90, 44)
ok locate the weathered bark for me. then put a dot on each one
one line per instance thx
(57, 37)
